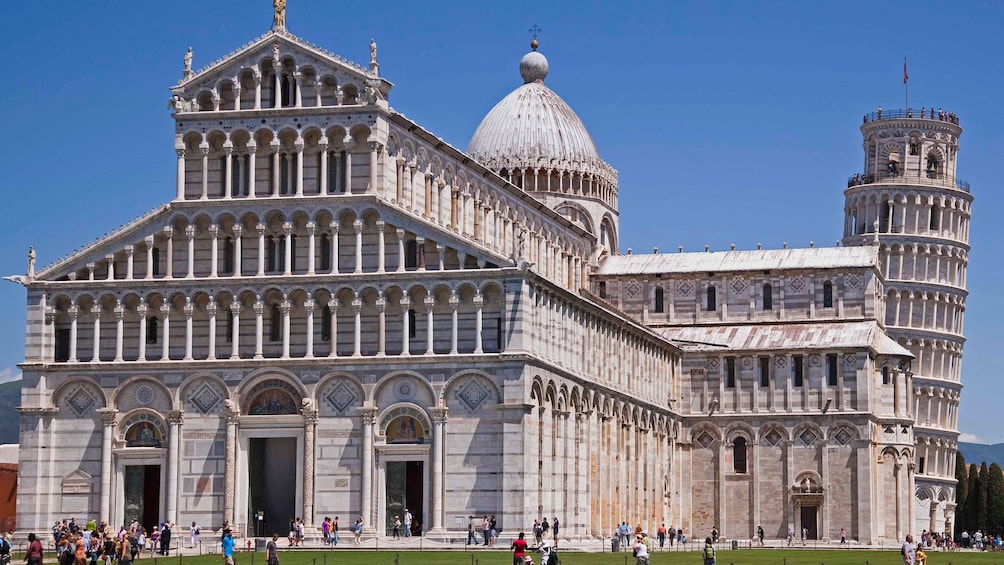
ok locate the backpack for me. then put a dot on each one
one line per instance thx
(4, 547)
(709, 552)
(552, 559)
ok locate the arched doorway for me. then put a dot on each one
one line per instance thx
(403, 463)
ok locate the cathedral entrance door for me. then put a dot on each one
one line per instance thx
(142, 495)
(808, 515)
(272, 485)
(405, 490)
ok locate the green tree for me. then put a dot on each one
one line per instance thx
(981, 498)
(995, 499)
(961, 490)
(972, 487)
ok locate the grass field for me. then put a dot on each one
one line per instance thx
(747, 557)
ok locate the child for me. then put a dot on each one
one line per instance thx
(921, 558)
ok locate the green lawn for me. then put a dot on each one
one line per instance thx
(746, 557)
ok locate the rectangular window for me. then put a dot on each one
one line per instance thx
(730, 372)
(765, 371)
(62, 345)
(831, 369)
(797, 370)
(934, 217)
(230, 325)
(920, 466)
(602, 287)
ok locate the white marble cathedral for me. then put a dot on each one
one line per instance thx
(338, 314)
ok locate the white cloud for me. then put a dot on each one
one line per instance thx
(10, 374)
(970, 438)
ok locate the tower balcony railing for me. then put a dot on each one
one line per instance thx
(897, 177)
(923, 114)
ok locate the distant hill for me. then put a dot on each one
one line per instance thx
(980, 452)
(10, 399)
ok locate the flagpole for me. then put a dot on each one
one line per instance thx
(906, 87)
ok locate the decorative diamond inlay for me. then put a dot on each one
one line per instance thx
(806, 437)
(713, 364)
(473, 394)
(772, 438)
(685, 287)
(144, 395)
(850, 359)
(341, 396)
(797, 284)
(780, 362)
(81, 401)
(739, 285)
(843, 437)
(852, 281)
(632, 289)
(705, 439)
(205, 399)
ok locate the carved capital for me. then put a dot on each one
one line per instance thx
(237, 230)
(358, 225)
(109, 416)
(231, 412)
(175, 417)
(368, 416)
(439, 415)
(190, 232)
(214, 230)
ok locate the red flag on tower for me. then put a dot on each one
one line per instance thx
(905, 76)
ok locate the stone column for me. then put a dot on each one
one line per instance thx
(232, 415)
(74, 312)
(228, 173)
(348, 168)
(308, 305)
(333, 306)
(285, 307)
(214, 255)
(252, 148)
(357, 340)
(439, 416)
(148, 240)
(309, 426)
(368, 416)
(479, 303)
(381, 226)
(430, 302)
(381, 306)
(311, 247)
(204, 150)
(358, 225)
(405, 329)
(109, 418)
(261, 249)
(322, 145)
(334, 247)
(400, 250)
(454, 322)
(235, 309)
(130, 252)
(119, 322)
(189, 313)
(238, 251)
(211, 311)
(298, 146)
(190, 233)
(179, 184)
(374, 155)
(96, 346)
(274, 145)
(175, 418)
(141, 312)
(287, 240)
(259, 310)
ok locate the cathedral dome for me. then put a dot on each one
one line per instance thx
(533, 127)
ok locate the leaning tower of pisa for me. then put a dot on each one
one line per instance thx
(909, 201)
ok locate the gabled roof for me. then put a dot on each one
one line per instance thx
(754, 260)
(263, 43)
(786, 336)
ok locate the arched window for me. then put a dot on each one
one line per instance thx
(275, 324)
(885, 375)
(155, 259)
(411, 322)
(768, 297)
(712, 305)
(292, 252)
(228, 256)
(935, 217)
(411, 255)
(284, 173)
(223, 176)
(230, 326)
(884, 211)
(659, 300)
(325, 252)
(739, 455)
(326, 323)
(270, 253)
(151, 330)
(287, 90)
(827, 294)
(932, 167)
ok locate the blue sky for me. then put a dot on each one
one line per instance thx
(728, 122)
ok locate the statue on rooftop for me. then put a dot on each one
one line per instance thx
(188, 59)
(279, 19)
(31, 261)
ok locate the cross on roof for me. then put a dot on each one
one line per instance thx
(534, 31)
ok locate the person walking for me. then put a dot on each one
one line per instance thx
(471, 536)
(407, 523)
(805, 534)
(709, 552)
(357, 531)
(227, 545)
(518, 548)
(759, 534)
(165, 538)
(193, 534)
(843, 536)
(334, 531)
(554, 530)
(272, 550)
(397, 527)
(661, 532)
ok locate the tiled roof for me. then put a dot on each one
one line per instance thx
(755, 260)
